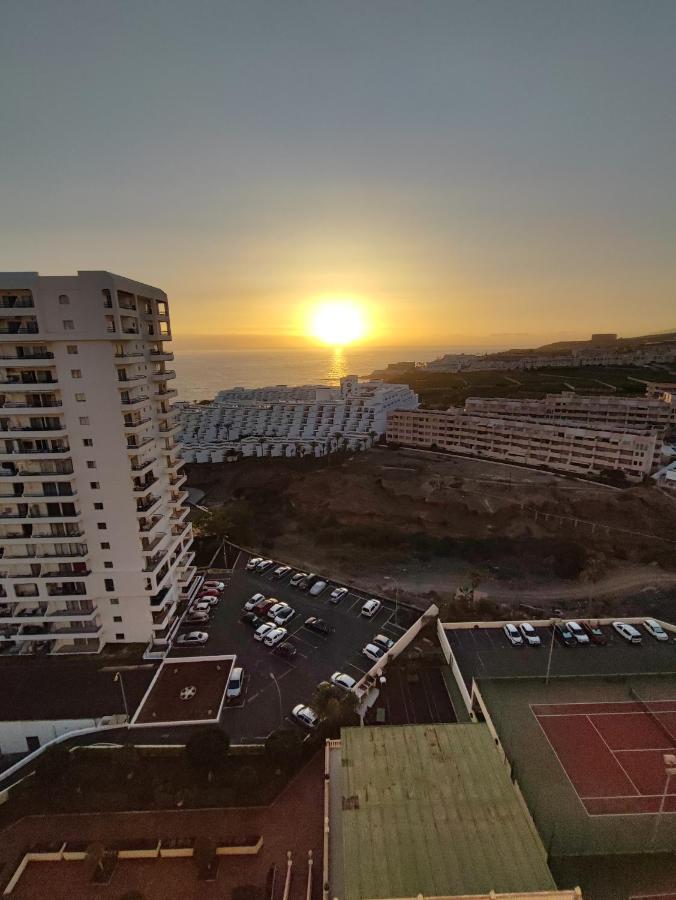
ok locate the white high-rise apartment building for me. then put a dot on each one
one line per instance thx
(94, 543)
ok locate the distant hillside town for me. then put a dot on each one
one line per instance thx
(290, 421)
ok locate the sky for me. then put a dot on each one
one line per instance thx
(468, 171)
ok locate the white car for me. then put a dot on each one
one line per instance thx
(211, 599)
(235, 684)
(196, 617)
(581, 636)
(296, 579)
(264, 564)
(191, 638)
(281, 571)
(215, 585)
(513, 635)
(317, 588)
(654, 628)
(370, 608)
(253, 562)
(285, 614)
(305, 715)
(341, 680)
(263, 630)
(337, 595)
(253, 600)
(200, 606)
(374, 652)
(381, 640)
(529, 634)
(277, 607)
(628, 632)
(275, 637)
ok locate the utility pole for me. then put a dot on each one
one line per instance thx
(555, 622)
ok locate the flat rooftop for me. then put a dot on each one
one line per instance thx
(186, 691)
(430, 809)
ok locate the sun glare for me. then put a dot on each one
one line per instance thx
(337, 322)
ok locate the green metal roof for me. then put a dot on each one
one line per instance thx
(430, 809)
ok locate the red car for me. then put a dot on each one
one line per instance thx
(595, 632)
(263, 606)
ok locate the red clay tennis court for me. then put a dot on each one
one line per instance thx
(613, 753)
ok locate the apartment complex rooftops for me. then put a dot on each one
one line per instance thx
(431, 810)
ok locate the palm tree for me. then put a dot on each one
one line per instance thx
(333, 705)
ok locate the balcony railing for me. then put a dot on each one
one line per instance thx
(148, 503)
(142, 488)
(18, 328)
(137, 466)
(23, 404)
(129, 401)
(35, 451)
(150, 523)
(129, 354)
(16, 303)
(137, 423)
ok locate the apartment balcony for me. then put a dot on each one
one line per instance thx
(145, 486)
(122, 355)
(30, 576)
(147, 526)
(179, 497)
(165, 355)
(38, 556)
(179, 514)
(123, 380)
(49, 631)
(166, 393)
(177, 480)
(179, 529)
(9, 329)
(187, 575)
(9, 303)
(163, 618)
(13, 383)
(13, 475)
(27, 408)
(42, 452)
(150, 504)
(44, 614)
(148, 544)
(136, 423)
(169, 428)
(18, 538)
(132, 402)
(64, 590)
(154, 562)
(166, 375)
(134, 444)
(142, 465)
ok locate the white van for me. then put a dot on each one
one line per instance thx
(235, 684)
(628, 632)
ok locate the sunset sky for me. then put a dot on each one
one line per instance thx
(499, 171)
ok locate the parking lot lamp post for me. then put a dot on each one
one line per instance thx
(118, 678)
(555, 622)
(669, 770)
(279, 697)
(396, 596)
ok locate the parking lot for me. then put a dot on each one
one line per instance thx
(273, 685)
(486, 652)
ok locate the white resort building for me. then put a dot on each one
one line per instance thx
(94, 543)
(290, 421)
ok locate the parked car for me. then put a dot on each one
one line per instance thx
(192, 638)
(370, 608)
(306, 583)
(296, 579)
(578, 633)
(253, 600)
(200, 606)
(529, 634)
(513, 635)
(337, 594)
(253, 562)
(628, 632)
(263, 630)
(341, 680)
(381, 640)
(196, 617)
(264, 565)
(317, 588)
(305, 715)
(596, 634)
(211, 599)
(235, 684)
(287, 650)
(563, 635)
(276, 636)
(218, 585)
(277, 606)
(281, 571)
(208, 592)
(318, 625)
(250, 618)
(655, 629)
(263, 607)
(374, 652)
(285, 614)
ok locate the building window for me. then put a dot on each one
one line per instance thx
(107, 564)
(102, 526)
(68, 325)
(114, 601)
(109, 584)
(80, 398)
(105, 545)
(84, 420)
(117, 618)
(98, 506)
(76, 373)
(94, 485)
(119, 637)
(91, 463)
(72, 349)
(88, 442)
(64, 299)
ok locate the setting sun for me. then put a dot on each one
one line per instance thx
(338, 322)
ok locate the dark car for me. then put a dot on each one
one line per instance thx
(286, 650)
(595, 632)
(564, 635)
(319, 625)
(306, 583)
(250, 618)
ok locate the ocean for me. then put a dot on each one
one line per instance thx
(201, 373)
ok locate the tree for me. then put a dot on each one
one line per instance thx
(333, 705)
(234, 521)
(283, 747)
(207, 750)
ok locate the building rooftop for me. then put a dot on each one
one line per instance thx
(431, 810)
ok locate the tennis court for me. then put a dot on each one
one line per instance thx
(613, 752)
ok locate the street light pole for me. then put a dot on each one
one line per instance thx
(396, 596)
(279, 697)
(118, 678)
(555, 622)
(669, 770)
